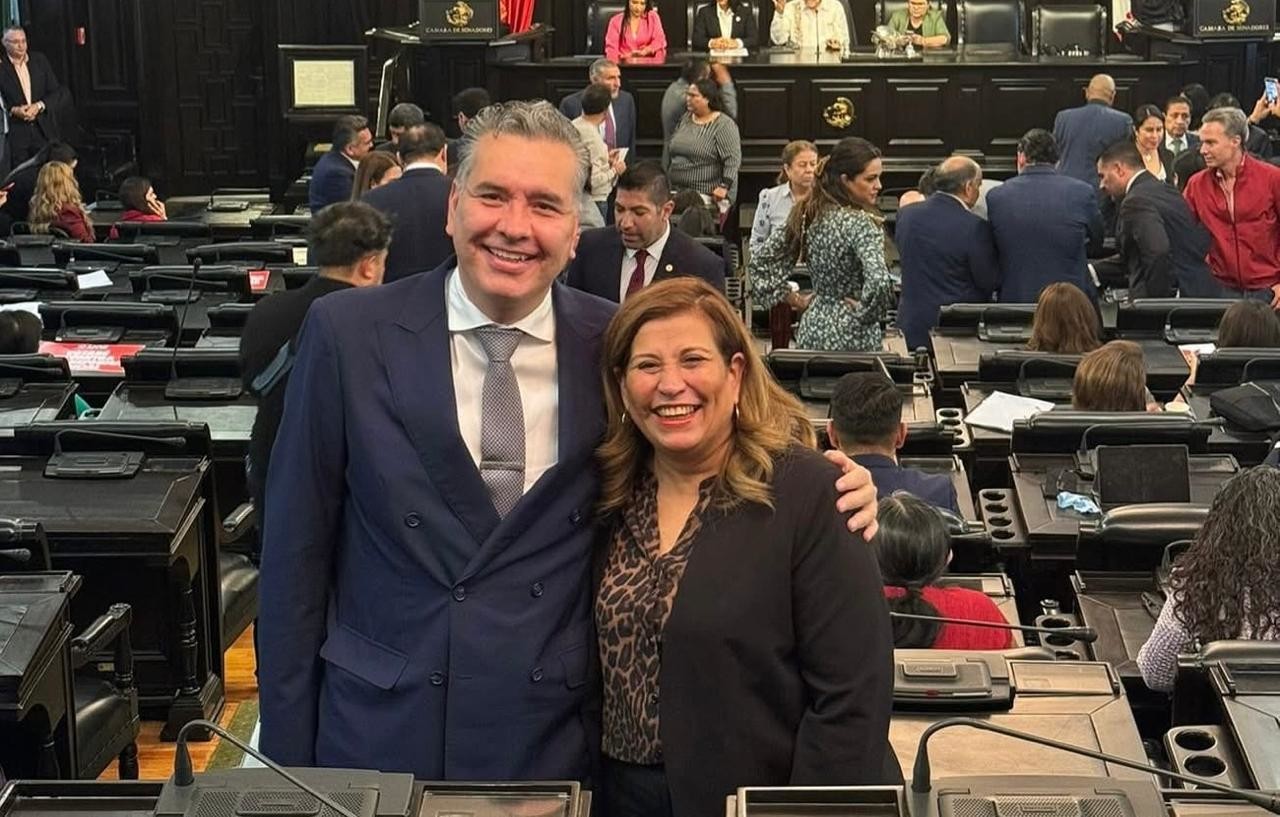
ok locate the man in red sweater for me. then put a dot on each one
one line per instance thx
(1237, 198)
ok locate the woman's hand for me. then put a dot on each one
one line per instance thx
(615, 162)
(799, 302)
(779, 5)
(156, 207)
(857, 494)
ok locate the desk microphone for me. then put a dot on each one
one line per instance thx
(172, 442)
(922, 784)
(1088, 635)
(184, 776)
(90, 252)
(182, 322)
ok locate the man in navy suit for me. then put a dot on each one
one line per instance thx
(418, 204)
(1082, 133)
(426, 574)
(619, 127)
(947, 253)
(1042, 221)
(1178, 138)
(866, 423)
(335, 172)
(1160, 247)
(642, 246)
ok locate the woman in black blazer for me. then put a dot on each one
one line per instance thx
(707, 32)
(744, 637)
(1148, 134)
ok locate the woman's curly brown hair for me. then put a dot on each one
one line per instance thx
(1234, 559)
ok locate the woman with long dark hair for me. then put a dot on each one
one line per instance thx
(634, 32)
(1227, 584)
(913, 549)
(838, 231)
(1066, 321)
(1148, 135)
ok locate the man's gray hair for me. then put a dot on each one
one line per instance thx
(535, 119)
(1232, 120)
(597, 68)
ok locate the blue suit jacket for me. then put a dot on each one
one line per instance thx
(888, 476)
(1042, 222)
(331, 181)
(947, 258)
(624, 117)
(1083, 133)
(597, 264)
(405, 626)
(417, 204)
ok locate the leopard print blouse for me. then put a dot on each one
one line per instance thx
(635, 599)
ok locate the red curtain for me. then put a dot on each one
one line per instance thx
(517, 14)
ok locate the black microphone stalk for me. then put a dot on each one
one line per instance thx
(182, 322)
(183, 775)
(921, 774)
(1087, 635)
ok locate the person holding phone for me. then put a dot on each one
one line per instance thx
(140, 203)
(1268, 104)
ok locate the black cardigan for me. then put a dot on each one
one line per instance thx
(777, 660)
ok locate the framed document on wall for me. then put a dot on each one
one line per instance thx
(458, 19)
(321, 82)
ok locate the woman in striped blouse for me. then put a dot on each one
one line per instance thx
(705, 150)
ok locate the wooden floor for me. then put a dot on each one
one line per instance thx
(155, 758)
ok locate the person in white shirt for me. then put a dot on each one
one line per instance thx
(606, 165)
(810, 24)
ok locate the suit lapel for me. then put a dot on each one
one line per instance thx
(419, 372)
(670, 262)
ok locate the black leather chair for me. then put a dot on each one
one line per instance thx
(1134, 537)
(263, 252)
(991, 23)
(130, 231)
(1059, 29)
(598, 16)
(238, 573)
(106, 709)
(694, 8)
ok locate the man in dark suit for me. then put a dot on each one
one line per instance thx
(866, 423)
(403, 116)
(335, 171)
(1042, 221)
(947, 253)
(32, 96)
(724, 25)
(466, 104)
(1178, 138)
(619, 126)
(1082, 133)
(642, 246)
(426, 574)
(1160, 247)
(417, 203)
(348, 241)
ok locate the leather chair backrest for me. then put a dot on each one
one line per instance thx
(1157, 524)
(1228, 367)
(1240, 650)
(991, 22)
(1062, 430)
(598, 17)
(1057, 29)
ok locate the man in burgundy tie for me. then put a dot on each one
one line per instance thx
(619, 126)
(642, 246)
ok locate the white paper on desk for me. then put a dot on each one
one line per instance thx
(1198, 349)
(300, 256)
(729, 52)
(93, 280)
(999, 409)
(26, 306)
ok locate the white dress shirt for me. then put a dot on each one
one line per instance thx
(651, 265)
(726, 17)
(810, 29)
(534, 362)
(423, 164)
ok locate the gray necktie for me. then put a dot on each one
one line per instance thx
(501, 420)
(1177, 145)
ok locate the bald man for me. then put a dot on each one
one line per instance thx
(947, 252)
(1083, 133)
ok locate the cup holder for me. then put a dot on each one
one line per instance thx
(992, 496)
(1204, 765)
(947, 413)
(997, 507)
(1054, 623)
(1001, 534)
(1058, 641)
(1064, 655)
(1195, 740)
(1000, 521)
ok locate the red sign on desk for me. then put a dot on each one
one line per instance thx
(91, 358)
(258, 279)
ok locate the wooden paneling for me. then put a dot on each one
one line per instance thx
(1016, 104)
(916, 115)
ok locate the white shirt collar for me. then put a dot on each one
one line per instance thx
(1133, 179)
(423, 164)
(957, 198)
(655, 249)
(725, 14)
(464, 315)
(354, 162)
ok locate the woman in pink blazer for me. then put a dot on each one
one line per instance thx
(636, 32)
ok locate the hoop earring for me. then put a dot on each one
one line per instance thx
(623, 418)
(735, 414)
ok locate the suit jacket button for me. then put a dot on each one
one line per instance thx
(536, 589)
(536, 675)
(459, 593)
(437, 678)
(575, 517)
(653, 697)
(412, 520)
